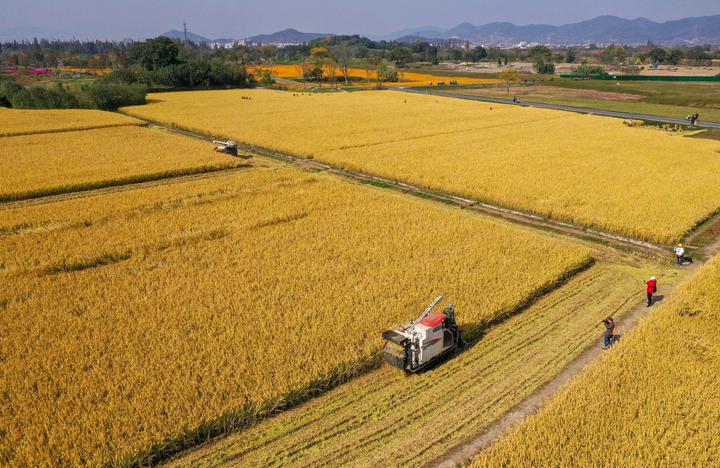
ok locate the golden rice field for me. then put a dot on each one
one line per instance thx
(406, 78)
(584, 169)
(51, 163)
(388, 419)
(653, 401)
(26, 122)
(137, 319)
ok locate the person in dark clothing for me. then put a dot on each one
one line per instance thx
(693, 118)
(609, 332)
(651, 288)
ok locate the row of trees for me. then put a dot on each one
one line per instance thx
(332, 65)
(651, 54)
(159, 63)
(107, 54)
(164, 63)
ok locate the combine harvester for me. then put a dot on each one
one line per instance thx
(227, 147)
(416, 345)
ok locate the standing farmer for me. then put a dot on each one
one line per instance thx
(609, 331)
(651, 289)
(680, 254)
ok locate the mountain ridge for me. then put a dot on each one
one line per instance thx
(599, 30)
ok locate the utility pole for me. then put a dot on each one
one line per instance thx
(185, 31)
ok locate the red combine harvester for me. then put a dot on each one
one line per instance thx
(416, 345)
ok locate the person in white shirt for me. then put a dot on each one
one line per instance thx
(680, 254)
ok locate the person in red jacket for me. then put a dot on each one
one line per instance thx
(651, 289)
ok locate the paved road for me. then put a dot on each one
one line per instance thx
(581, 110)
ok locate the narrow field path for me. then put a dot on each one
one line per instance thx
(389, 418)
(466, 451)
(300, 84)
(580, 110)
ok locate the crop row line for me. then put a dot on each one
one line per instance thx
(531, 219)
(67, 130)
(55, 194)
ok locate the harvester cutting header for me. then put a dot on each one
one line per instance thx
(416, 345)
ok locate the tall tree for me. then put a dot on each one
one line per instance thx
(342, 54)
(510, 75)
(658, 55)
(157, 53)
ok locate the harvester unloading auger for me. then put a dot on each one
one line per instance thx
(416, 345)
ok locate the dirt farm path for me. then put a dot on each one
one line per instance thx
(466, 451)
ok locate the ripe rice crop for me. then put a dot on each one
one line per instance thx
(382, 419)
(133, 321)
(27, 122)
(52, 163)
(588, 170)
(653, 400)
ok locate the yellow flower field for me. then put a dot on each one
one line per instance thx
(51, 163)
(135, 318)
(406, 78)
(588, 170)
(652, 401)
(27, 122)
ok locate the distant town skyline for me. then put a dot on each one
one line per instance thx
(140, 19)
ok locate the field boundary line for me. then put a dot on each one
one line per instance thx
(560, 107)
(523, 217)
(68, 130)
(143, 181)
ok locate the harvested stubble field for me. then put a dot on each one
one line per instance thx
(53, 163)
(388, 419)
(584, 169)
(653, 401)
(131, 321)
(27, 122)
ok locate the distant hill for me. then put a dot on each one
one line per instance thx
(196, 38)
(288, 36)
(423, 31)
(600, 30)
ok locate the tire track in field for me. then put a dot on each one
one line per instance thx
(382, 418)
(450, 132)
(457, 397)
(338, 427)
(409, 403)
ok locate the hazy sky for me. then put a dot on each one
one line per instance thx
(227, 18)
